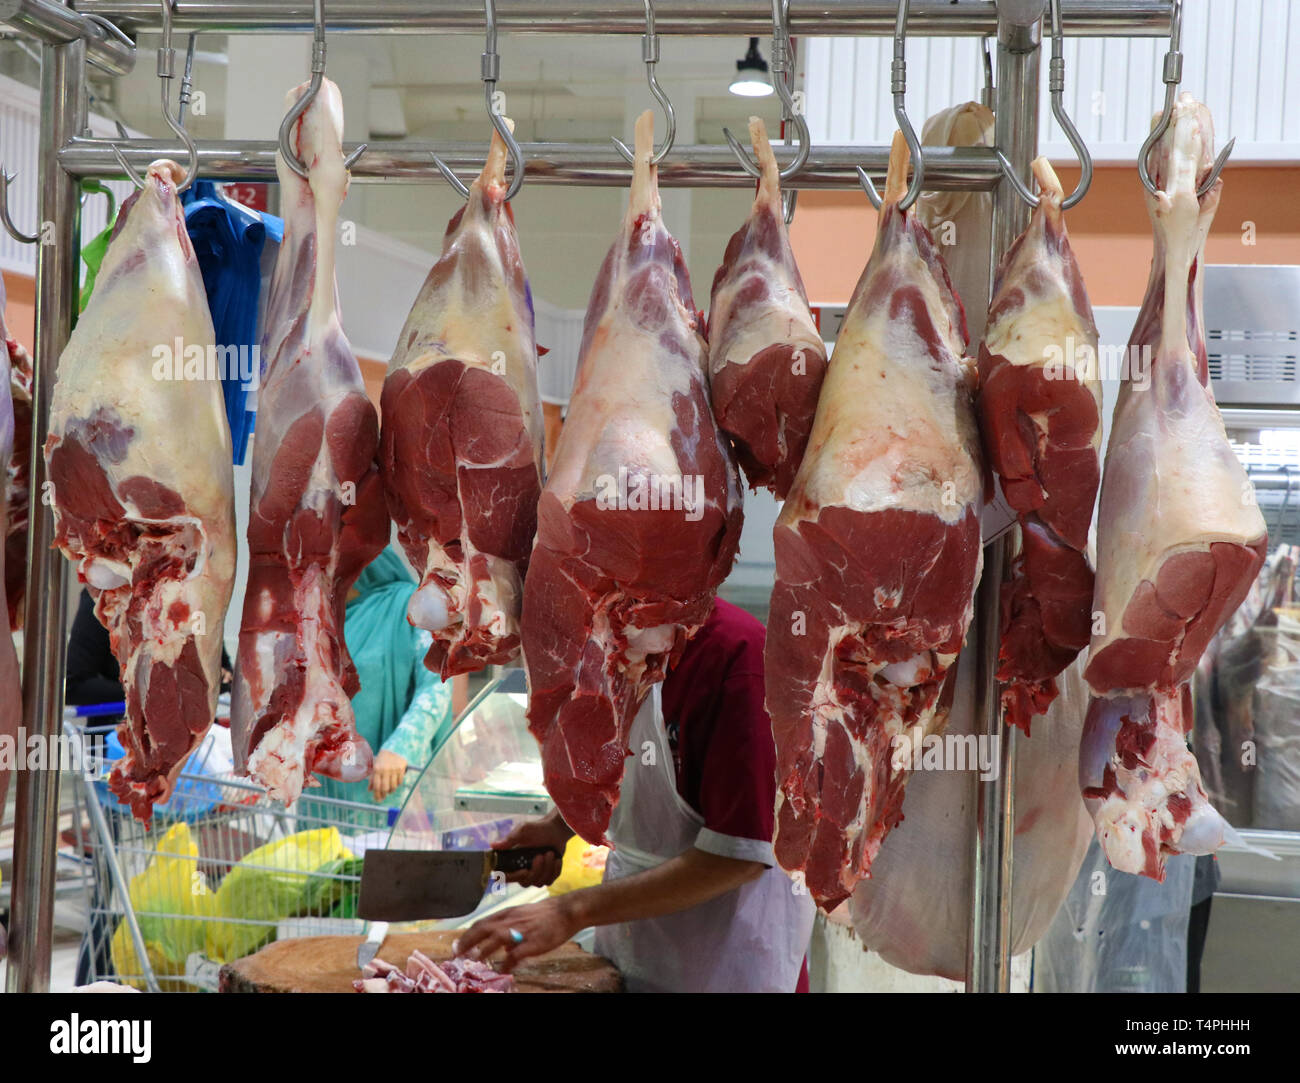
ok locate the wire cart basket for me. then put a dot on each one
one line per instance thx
(220, 871)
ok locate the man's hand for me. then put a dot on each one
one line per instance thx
(550, 830)
(387, 775)
(543, 927)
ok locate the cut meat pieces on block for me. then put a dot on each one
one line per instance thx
(139, 460)
(1180, 539)
(17, 475)
(640, 518)
(877, 557)
(461, 447)
(316, 516)
(766, 356)
(1040, 417)
(11, 434)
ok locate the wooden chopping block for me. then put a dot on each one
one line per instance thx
(328, 964)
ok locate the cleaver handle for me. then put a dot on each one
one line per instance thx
(519, 859)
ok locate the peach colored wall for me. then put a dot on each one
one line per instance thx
(1111, 234)
(20, 307)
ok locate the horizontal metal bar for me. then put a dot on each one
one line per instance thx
(728, 18)
(961, 169)
(51, 23)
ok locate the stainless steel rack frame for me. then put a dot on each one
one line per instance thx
(72, 37)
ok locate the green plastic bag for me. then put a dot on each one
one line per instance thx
(275, 881)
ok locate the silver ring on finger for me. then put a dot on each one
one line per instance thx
(516, 936)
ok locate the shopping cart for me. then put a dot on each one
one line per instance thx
(219, 872)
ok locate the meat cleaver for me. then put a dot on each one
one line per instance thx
(412, 885)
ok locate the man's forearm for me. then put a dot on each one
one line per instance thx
(679, 883)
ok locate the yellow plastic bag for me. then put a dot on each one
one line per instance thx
(272, 882)
(583, 866)
(171, 902)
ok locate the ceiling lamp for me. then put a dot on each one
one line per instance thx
(751, 79)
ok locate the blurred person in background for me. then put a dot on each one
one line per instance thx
(402, 710)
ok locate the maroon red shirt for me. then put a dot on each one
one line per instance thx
(721, 736)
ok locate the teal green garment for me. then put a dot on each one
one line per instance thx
(402, 707)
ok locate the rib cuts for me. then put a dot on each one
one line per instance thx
(877, 557)
(316, 517)
(1180, 540)
(462, 436)
(766, 356)
(138, 455)
(639, 520)
(1040, 416)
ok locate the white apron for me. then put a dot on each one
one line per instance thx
(750, 940)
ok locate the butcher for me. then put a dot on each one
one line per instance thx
(692, 900)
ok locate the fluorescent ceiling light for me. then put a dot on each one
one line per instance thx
(751, 79)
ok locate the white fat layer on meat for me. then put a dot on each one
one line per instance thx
(737, 331)
(149, 297)
(894, 429)
(480, 318)
(622, 414)
(1172, 483)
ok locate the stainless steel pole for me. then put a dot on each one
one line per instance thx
(31, 915)
(53, 23)
(572, 164)
(1016, 133)
(727, 18)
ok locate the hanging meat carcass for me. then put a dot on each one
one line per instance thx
(640, 518)
(316, 517)
(915, 909)
(14, 444)
(766, 356)
(877, 557)
(1040, 416)
(461, 447)
(1180, 539)
(14, 536)
(142, 487)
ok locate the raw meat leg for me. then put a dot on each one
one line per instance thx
(14, 444)
(1040, 416)
(316, 517)
(639, 520)
(142, 487)
(766, 356)
(461, 447)
(1180, 541)
(877, 556)
(18, 472)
